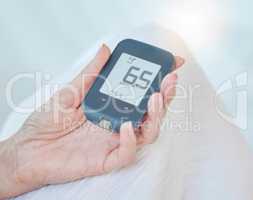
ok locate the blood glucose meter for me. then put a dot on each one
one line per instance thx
(121, 92)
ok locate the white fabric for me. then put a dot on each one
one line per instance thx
(199, 156)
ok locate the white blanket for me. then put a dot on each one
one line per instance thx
(199, 155)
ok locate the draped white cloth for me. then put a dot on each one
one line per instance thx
(199, 155)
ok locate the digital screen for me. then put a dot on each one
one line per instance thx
(130, 79)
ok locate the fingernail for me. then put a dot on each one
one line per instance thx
(171, 80)
(181, 60)
(127, 125)
(101, 47)
(130, 131)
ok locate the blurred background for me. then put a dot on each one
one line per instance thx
(48, 36)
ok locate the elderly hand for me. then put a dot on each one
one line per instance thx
(57, 144)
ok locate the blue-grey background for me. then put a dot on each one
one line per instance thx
(49, 35)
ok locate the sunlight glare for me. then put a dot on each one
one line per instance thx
(199, 22)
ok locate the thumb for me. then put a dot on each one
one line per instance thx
(86, 78)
